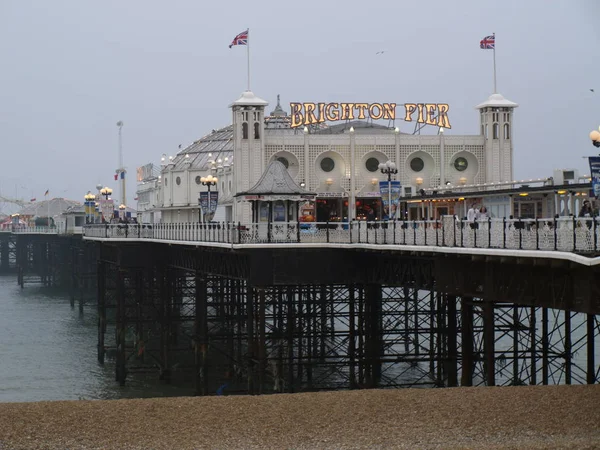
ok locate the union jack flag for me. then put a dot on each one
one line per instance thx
(488, 42)
(240, 39)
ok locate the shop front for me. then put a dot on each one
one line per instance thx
(331, 207)
(369, 208)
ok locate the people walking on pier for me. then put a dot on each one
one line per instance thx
(586, 212)
(472, 215)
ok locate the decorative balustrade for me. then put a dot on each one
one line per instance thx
(565, 234)
(35, 230)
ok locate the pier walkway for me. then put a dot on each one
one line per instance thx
(575, 239)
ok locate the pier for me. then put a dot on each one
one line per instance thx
(254, 309)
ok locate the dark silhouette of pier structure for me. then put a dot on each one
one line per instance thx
(228, 316)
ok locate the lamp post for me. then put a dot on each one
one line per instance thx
(106, 191)
(89, 201)
(105, 204)
(208, 181)
(122, 209)
(389, 168)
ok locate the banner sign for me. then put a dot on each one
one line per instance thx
(390, 191)
(313, 113)
(595, 174)
(208, 202)
(106, 209)
(213, 200)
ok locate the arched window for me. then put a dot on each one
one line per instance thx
(245, 130)
(506, 131)
(486, 131)
(256, 133)
(496, 130)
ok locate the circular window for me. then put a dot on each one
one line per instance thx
(178, 181)
(327, 164)
(372, 164)
(461, 164)
(198, 179)
(417, 164)
(284, 161)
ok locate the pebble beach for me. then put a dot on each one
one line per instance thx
(531, 417)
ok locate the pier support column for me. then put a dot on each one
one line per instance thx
(591, 363)
(74, 279)
(101, 309)
(261, 341)
(352, 336)
(290, 332)
(466, 332)
(200, 336)
(166, 281)
(489, 342)
(4, 254)
(120, 371)
(545, 347)
(251, 356)
(452, 361)
(373, 341)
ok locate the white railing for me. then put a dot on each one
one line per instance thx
(35, 230)
(565, 234)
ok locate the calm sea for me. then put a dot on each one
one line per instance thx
(48, 351)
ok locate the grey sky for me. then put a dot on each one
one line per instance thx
(71, 69)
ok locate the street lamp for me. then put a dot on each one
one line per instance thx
(208, 181)
(89, 201)
(389, 168)
(106, 191)
(595, 137)
(122, 209)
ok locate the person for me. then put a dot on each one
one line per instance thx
(370, 215)
(472, 214)
(586, 211)
(483, 214)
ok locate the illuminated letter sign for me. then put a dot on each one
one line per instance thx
(304, 114)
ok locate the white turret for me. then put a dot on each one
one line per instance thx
(248, 152)
(497, 128)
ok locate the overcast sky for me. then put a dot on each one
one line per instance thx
(70, 69)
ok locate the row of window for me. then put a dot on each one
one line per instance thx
(460, 164)
(198, 181)
(372, 164)
(496, 131)
(245, 130)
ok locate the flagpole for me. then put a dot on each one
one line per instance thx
(248, 54)
(495, 90)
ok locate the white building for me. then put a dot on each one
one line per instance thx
(338, 162)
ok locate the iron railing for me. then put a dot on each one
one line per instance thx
(570, 234)
(35, 230)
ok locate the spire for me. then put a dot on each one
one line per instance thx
(278, 111)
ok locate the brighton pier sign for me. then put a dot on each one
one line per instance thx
(312, 113)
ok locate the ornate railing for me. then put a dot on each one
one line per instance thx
(570, 234)
(35, 230)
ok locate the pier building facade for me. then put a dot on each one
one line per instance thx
(339, 162)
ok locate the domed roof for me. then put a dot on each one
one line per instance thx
(497, 100)
(249, 99)
(216, 145)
